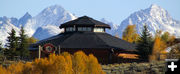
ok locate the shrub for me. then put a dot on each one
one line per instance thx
(156, 67)
(4, 70)
(65, 63)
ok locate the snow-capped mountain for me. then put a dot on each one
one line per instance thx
(47, 31)
(113, 26)
(39, 24)
(155, 17)
(54, 15)
(47, 22)
(24, 19)
(6, 25)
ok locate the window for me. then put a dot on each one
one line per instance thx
(84, 28)
(89, 28)
(80, 29)
(98, 29)
(70, 29)
(67, 29)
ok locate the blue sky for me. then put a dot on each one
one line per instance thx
(113, 10)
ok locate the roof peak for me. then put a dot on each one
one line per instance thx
(85, 21)
(85, 17)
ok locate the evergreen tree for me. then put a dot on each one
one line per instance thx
(12, 44)
(145, 45)
(23, 44)
(1, 46)
(1, 49)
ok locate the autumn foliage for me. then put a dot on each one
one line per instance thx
(65, 63)
(158, 48)
(129, 34)
(160, 44)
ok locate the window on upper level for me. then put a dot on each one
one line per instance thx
(70, 29)
(98, 29)
(84, 28)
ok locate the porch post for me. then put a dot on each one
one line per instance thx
(111, 55)
(39, 52)
(59, 49)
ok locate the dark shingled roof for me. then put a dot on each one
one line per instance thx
(85, 21)
(88, 40)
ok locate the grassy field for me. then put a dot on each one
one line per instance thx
(136, 68)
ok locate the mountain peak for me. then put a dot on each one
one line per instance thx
(157, 11)
(24, 19)
(154, 6)
(27, 15)
(155, 17)
(55, 9)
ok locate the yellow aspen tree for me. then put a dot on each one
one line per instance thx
(41, 66)
(27, 68)
(79, 62)
(129, 34)
(60, 66)
(158, 48)
(68, 59)
(93, 66)
(16, 68)
(4, 70)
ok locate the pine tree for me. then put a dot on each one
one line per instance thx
(23, 44)
(1, 49)
(130, 34)
(1, 46)
(12, 44)
(144, 45)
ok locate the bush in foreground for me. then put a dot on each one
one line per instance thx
(65, 63)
